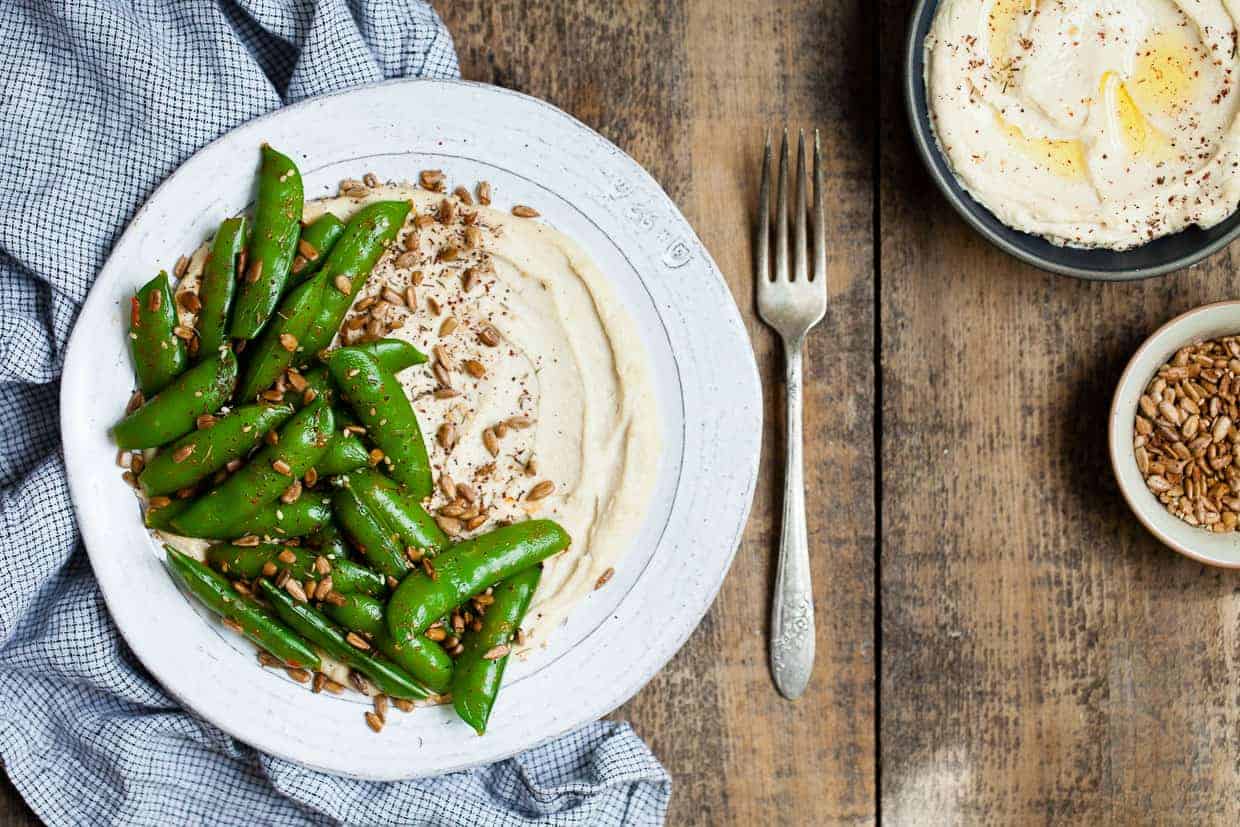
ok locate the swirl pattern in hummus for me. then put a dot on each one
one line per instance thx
(1094, 123)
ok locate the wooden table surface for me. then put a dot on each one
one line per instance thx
(998, 640)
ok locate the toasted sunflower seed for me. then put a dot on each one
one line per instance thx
(432, 179)
(541, 490)
(292, 493)
(294, 588)
(189, 300)
(488, 335)
(447, 486)
(298, 674)
(496, 652)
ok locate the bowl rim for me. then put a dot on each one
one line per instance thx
(1114, 432)
(928, 148)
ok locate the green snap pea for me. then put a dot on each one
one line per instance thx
(317, 240)
(346, 453)
(158, 355)
(174, 412)
(306, 515)
(218, 595)
(378, 542)
(367, 234)
(383, 498)
(161, 516)
(315, 627)
(277, 224)
(219, 283)
(248, 561)
(318, 386)
(380, 403)
(270, 356)
(422, 658)
(467, 569)
(329, 542)
(479, 668)
(302, 440)
(199, 454)
(393, 355)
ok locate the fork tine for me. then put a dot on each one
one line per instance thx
(781, 215)
(820, 216)
(800, 246)
(763, 256)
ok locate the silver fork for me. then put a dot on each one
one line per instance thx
(792, 303)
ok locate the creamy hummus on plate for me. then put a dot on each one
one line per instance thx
(1093, 123)
(537, 375)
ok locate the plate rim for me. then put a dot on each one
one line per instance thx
(76, 351)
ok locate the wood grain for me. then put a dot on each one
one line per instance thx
(1044, 659)
(688, 89)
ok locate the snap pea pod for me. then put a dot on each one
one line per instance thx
(383, 498)
(219, 283)
(173, 413)
(380, 403)
(422, 658)
(270, 356)
(199, 454)
(277, 224)
(302, 440)
(306, 515)
(479, 668)
(329, 542)
(318, 386)
(315, 627)
(161, 516)
(354, 256)
(158, 355)
(393, 355)
(370, 535)
(346, 453)
(247, 562)
(316, 242)
(467, 569)
(218, 595)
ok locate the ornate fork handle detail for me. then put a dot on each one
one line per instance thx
(792, 613)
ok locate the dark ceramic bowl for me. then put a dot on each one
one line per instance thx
(1162, 255)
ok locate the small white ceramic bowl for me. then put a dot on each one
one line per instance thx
(1200, 324)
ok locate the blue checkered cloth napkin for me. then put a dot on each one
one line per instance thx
(99, 101)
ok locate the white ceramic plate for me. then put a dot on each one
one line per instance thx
(706, 381)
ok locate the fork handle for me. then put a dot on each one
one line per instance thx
(792, 614)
